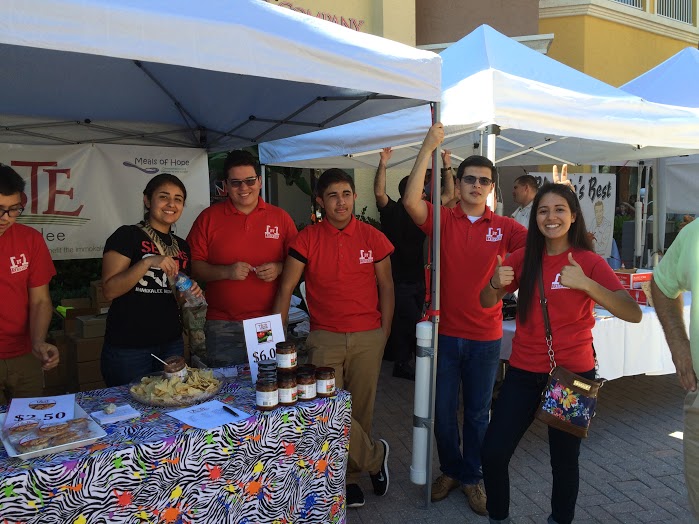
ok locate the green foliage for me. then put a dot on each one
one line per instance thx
(362, 217)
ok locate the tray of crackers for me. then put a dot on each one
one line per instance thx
(31, 438)
(177, 390)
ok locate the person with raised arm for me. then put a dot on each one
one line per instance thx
(472, 237)
(574, 278)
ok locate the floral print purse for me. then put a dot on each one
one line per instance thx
(568, 401)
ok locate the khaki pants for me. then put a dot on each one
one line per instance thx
(356, 358)
(691, 449)
(20, 377)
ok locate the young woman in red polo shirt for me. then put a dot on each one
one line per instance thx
(574, 278)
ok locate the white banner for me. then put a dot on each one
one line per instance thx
(597, 195)
(77, 196)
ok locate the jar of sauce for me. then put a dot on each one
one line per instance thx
(306, 385)
(325, 382)
(288, 389)
(286, 356)
(266, 395)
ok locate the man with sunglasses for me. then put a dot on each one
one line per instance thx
(472, 237)
(25, 307)
(238, 249)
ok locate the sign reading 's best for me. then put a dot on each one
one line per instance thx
(76, 196)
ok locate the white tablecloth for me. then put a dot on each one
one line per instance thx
(623, 348)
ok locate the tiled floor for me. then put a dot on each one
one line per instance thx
(631, 466)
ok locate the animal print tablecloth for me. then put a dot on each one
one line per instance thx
(281, 467)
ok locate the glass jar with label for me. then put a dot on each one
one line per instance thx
(286, 357)
(325, 382)
(306, 385)
(288, 389)
(266, 395)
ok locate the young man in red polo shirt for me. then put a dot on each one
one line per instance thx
(25, 306)
(349, 291)
(238, 248)
(469, 335)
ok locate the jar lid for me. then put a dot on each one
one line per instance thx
(307, 373)
(286, 345)
(266, 380)
(270, 362)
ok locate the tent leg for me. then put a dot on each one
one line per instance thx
(263, 177)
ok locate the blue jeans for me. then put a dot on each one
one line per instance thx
(513, 413)
(473, 364)
(122, 365)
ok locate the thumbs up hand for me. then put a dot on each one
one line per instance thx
(573, 276)
(503, 276)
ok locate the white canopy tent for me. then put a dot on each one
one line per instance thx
(676, 187)
(214, 74)
(546, 112)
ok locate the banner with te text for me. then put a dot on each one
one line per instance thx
(597, 195)
(78, 195)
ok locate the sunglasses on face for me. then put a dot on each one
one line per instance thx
(238, 183)
(483, 180)
(12, 212)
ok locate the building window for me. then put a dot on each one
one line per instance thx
(675, 9)
(633, 3)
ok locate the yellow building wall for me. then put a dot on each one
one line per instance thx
(610, 51)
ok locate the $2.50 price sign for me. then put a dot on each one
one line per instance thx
(41, 409)
(261, 337)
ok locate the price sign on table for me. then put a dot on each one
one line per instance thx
(261, 337)
(41, 409)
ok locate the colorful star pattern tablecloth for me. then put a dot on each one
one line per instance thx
(281, 467)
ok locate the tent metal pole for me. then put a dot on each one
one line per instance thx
(493, 131)
(263, 177)
(653, 261)
(434, 270)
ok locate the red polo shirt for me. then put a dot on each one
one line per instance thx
(25, 262)
(468, 257)
(223, 235)
(341, 286)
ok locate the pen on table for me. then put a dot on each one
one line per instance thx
(231, 410)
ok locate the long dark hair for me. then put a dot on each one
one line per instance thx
(536, 243)
(155, 183)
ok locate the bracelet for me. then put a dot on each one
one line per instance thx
(491, 283)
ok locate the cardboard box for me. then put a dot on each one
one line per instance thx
(96, 293)
(631, 279)
(89, 371)
(639, 296)
(91, 326)
(81, 307)
(58, 377)
(89, 386)
(85, 349)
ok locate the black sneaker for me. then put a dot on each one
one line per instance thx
(355, 496)
(380, 480)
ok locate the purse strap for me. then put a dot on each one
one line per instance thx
(547, 321)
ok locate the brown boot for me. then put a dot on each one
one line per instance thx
(476, 498)
(442, 486)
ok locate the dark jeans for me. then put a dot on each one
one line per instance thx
(513, 413)
(473, 365)
(409, 299)
(122, 365)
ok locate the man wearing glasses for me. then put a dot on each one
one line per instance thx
(469, 335)
(25, 306)
(238, 249)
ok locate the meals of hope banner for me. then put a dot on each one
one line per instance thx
(78, 195)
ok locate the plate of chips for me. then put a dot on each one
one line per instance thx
(158, 389)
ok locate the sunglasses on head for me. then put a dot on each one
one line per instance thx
(483, 180)
(238, 183)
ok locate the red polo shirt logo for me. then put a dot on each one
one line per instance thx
(556, 284)
(366, 257)
(494, 234)
(18, 264)
(272, 232)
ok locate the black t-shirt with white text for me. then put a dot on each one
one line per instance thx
(147, 314)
